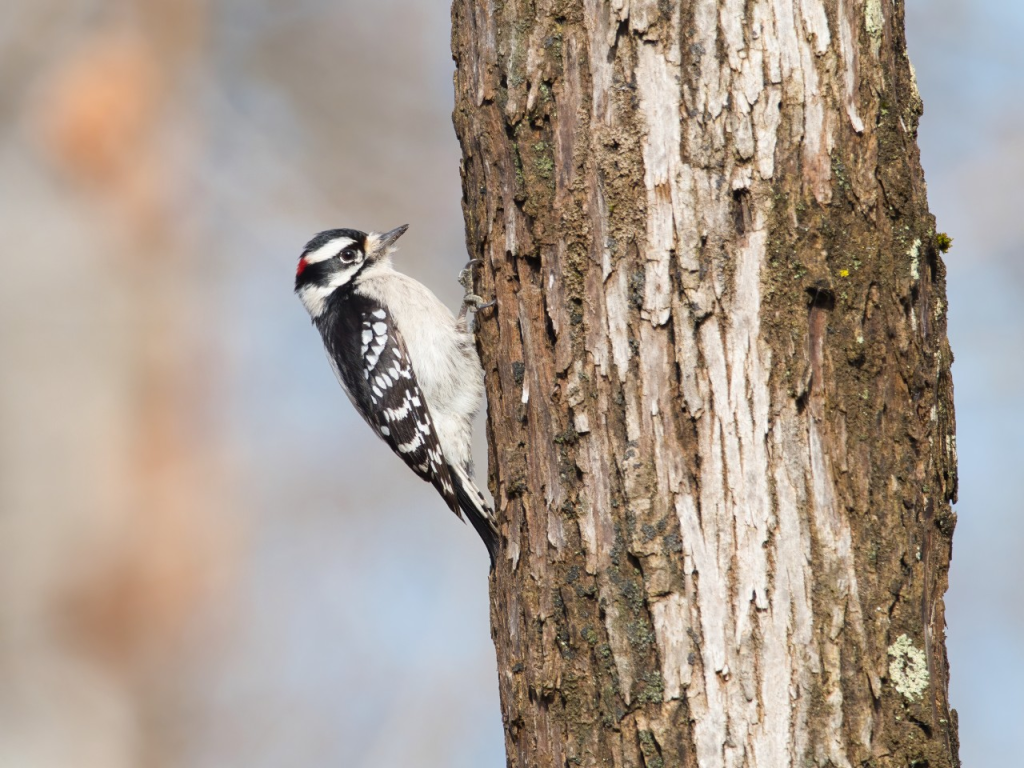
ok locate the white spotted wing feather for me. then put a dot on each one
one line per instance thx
(401, 416)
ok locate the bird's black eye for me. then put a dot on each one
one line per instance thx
(348, 255)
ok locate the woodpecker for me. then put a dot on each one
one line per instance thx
(408, 365)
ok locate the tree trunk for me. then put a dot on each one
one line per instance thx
(720, 405)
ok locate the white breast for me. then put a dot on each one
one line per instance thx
(443, 355)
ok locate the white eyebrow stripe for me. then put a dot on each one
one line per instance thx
(329, 250)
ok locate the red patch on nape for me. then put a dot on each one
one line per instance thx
(302, 266)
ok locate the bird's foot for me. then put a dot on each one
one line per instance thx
(471, 301)
(466, 275)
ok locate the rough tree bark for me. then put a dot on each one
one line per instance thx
(720, 407)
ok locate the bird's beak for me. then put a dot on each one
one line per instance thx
(381, 245)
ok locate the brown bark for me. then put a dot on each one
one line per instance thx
(720, 406)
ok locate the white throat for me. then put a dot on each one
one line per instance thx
(314, 298)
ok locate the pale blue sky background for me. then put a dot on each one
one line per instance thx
(970, 67)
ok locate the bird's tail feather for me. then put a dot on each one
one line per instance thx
(480, 515)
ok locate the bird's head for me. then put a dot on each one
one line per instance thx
(335, 258)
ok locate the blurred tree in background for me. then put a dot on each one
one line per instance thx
(184, 551)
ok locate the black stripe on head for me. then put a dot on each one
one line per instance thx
(323, 238)
(315, 268)
(313, 274)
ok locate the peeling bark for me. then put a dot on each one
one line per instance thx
(720, 404)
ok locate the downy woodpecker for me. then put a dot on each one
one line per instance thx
(407, 364)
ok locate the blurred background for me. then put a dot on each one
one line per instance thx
(198, 539)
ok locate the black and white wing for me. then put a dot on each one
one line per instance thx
(384, 389)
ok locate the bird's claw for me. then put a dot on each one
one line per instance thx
(466, 275)
(471, 300)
